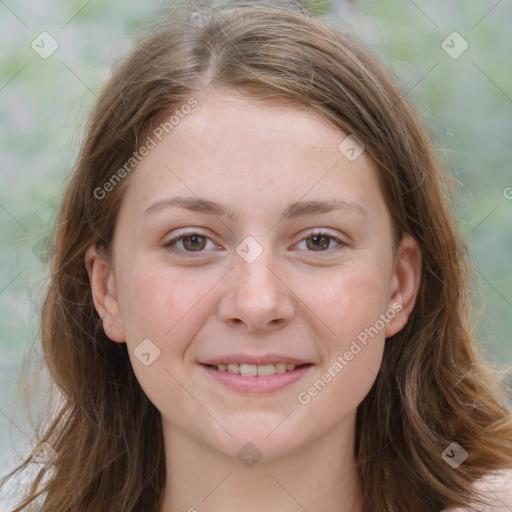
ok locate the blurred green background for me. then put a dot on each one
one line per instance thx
(466, 101)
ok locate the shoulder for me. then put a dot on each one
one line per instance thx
(497, 490)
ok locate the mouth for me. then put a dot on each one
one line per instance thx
(253, 370)
(257, 379)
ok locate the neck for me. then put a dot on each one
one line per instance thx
(319, 476)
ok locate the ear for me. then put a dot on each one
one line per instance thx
(103, 287)
(405, 284)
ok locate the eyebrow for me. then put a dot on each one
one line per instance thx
(296, 209)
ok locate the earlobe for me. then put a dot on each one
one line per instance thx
(103, 288)
(405, 284)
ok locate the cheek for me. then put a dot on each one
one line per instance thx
(167, 308)
(160, 301)
(347, 302)
(351, 307)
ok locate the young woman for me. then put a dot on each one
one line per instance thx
(258, 291)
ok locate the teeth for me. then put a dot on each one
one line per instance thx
(249, 370)
(252, 370)
(232, 368)
(264, 370)
(280, 367)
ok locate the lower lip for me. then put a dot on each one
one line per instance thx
(258, 385)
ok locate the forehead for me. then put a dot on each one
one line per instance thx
(253, 121)
(252, 152)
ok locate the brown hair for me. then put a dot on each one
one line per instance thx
(434, 388)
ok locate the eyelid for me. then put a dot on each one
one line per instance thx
(323, 232)
(186, 234)
(309, 234)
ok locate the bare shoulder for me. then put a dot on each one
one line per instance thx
(497, 489)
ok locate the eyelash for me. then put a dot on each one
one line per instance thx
(192, 254)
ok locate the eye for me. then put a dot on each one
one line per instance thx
(192, 242)
(320, 241)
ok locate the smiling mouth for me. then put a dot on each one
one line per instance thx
(252, 370)
(252, 379)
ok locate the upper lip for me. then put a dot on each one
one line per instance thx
(255, 360)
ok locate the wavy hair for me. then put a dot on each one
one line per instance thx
(434, 387)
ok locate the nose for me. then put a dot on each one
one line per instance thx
(258, 297)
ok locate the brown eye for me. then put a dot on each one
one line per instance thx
(194, 242)
(188, 244)
(320, 242)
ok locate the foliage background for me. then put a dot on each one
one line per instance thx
(466, 103)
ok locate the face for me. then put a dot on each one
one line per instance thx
(265, 275)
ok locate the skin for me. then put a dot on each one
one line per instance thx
(296, 298)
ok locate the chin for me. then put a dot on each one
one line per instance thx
(257, 437)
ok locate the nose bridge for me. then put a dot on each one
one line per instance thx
(258, 295)
(255, 267)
